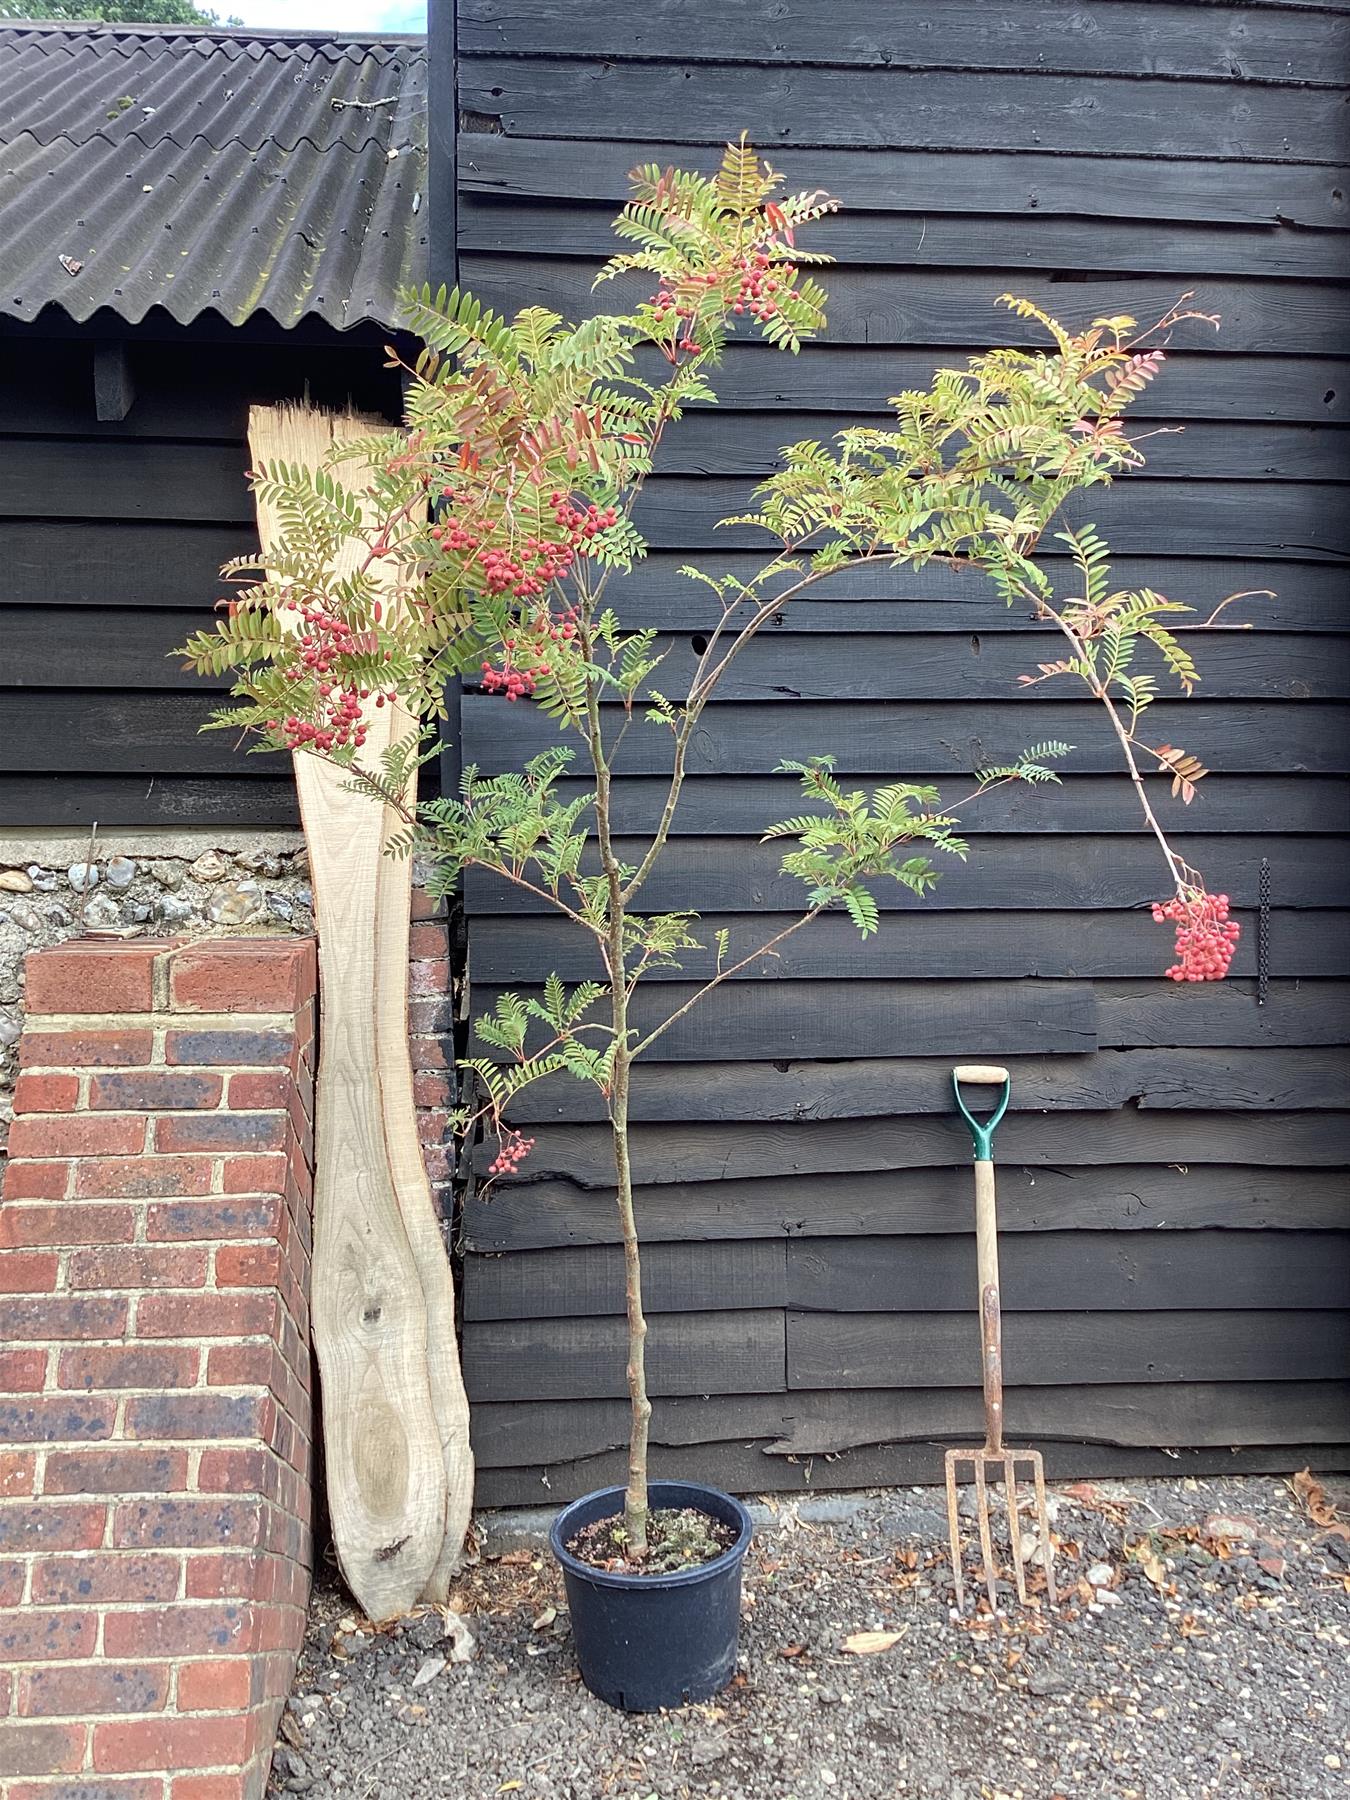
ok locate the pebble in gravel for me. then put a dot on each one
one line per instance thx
(1209, 1676)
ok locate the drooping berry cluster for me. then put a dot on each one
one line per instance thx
(1206, 937)
(664, 302)
(759, 285)
(322, 640)
(513, 679)
(512, 1151)
(524, 567)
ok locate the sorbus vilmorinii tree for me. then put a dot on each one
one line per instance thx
(498, 516)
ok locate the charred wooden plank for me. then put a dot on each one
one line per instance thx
(1105, 1271)
(546, 1284)
(848, 1350)
(742, 874)
(872, 108)
(744, 1468)
(584, 1359)
(1119, 1197)
(231, 800)
(924, 945)
(1175, 1080)
(741, 806)
(943, 238)
(711, 1152)
(1024, 182)
(1210, 1413)
(1255, 43)
(948, 738)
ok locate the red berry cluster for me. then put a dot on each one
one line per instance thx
(758, 286)
(323, 640)
(515, 682)
(525, 568)
(343, 725)
(513, 1151)
(664, 302)
(582, 523)
(1206, 937)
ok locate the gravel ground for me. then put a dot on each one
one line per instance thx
(1201, 1650)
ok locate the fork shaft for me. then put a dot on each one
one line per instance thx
(991, 1325)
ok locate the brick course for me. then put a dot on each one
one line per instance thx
(154, 1278)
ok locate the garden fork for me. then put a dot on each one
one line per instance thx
(991, 1345)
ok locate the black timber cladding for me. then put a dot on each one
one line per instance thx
(1173, 1183)
(112, 533)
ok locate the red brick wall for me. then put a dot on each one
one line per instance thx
(154, 1385)
(431, 1029)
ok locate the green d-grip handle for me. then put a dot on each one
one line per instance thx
(982, 1075)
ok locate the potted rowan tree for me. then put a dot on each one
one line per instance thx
(503, 508)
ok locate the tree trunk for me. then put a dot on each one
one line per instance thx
(635, 1498)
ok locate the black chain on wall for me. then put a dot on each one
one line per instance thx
(1263, 935)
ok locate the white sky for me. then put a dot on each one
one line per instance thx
(373, 16)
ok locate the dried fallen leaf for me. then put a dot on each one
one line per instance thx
(545, 1619)
(791, 1650)
(515, 1559)
(1312, 1497)
(868, 1643)
(509, 1787)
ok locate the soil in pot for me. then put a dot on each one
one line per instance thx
(677, 1538)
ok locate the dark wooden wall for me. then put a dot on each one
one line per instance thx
(1173, 1188)
(112, 533)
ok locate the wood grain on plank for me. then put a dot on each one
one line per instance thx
(154, 800)
(847, 1350)
(911, 1019)
(711, 1152)
(133, 648)
(898, 108)
(744, 1468)
(935, 739)
(1215, 1413)
(675, 1277)
(743, 874)
(1174, 1080)
(944, 239)
(562, 1359)
(1289, 596)
(1111, 1271)
(924, 945)
(1254, 43)
(1119, 1197)
(1103, 1271)
(919, 306)
(742, 805)
(1023, 181)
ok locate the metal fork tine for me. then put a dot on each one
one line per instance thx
(1014, 1524)
(986, 1542)
(1043, 1526)
(954, 1529)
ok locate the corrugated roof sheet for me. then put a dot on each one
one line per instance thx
(228, 171)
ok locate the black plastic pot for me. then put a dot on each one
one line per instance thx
(649, 1641)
